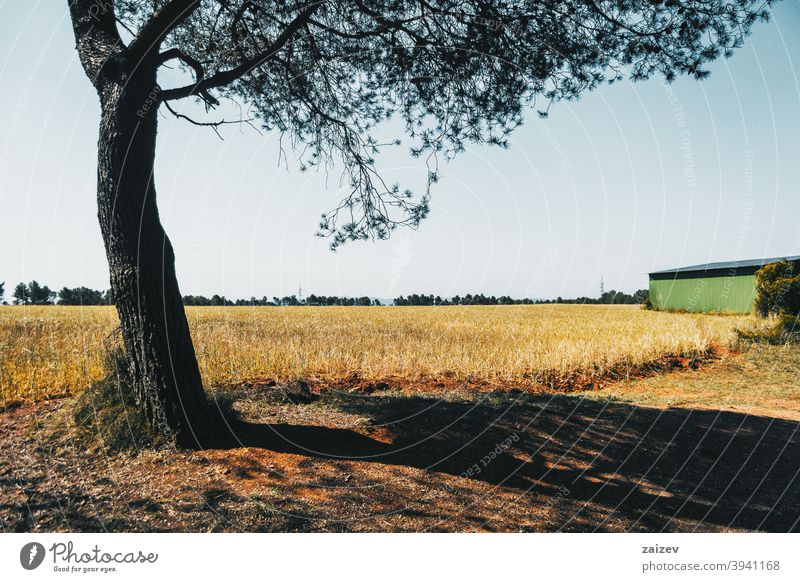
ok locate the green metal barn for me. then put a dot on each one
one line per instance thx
(723, 287)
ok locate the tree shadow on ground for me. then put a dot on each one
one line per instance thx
(613, 466)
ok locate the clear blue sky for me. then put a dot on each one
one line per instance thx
(629, 179)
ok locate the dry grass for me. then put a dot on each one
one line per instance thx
(50, 351)
(762, 381)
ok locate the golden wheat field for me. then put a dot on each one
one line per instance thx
(52, 350)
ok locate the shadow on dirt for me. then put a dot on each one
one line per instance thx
(398, 462)
(648, 467)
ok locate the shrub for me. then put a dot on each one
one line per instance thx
(778, 290)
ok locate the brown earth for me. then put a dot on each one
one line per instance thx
(395, 457)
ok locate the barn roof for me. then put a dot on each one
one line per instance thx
(727, 265)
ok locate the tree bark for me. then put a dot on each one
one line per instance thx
(163, 366)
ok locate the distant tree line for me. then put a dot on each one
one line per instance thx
(217, 300)
(468, 299)
(34, 293)
(334, 300)
(289, 300)
(83, 296)
(607, 298)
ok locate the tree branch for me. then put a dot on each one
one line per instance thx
(199, 72)
(160, 24)
(212, 124)
(226, 77)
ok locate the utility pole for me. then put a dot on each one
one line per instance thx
(299, 293)
(602, 286)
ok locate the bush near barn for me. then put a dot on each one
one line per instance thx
(778, 294)
(778, 289)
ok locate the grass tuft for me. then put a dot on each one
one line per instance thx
(783, 330)
(107, 417)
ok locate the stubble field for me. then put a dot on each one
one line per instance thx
(52, 351)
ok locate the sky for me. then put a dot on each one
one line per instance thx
(631, 178)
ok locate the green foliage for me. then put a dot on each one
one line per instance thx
(642, 296)
(20, 294)
(82, 296)
(330, 300)
(33, 294)
(778, 290)
(36, 294)
(607, 298)
(221, 300)
(286, 301)
(778, 296)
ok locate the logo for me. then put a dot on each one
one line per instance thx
(31, 555)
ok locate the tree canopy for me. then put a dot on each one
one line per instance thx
(778, 289)
(33, 294)
(82, 296)
(325, 73)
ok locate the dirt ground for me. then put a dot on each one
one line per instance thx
(708, 449)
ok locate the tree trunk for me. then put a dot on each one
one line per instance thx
(163, 365)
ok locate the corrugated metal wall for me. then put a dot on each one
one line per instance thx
(720, 293)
